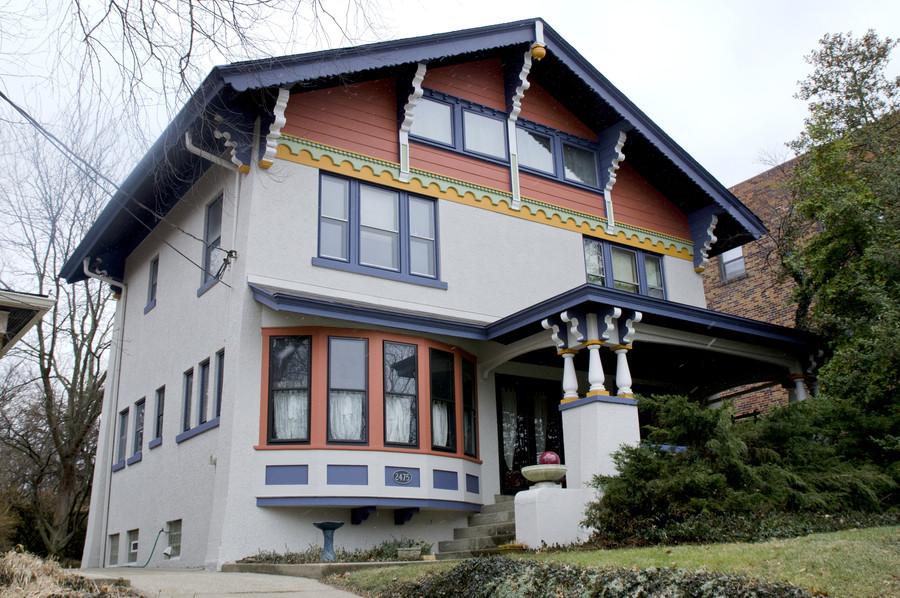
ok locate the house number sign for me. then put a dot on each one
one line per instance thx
(402, 477)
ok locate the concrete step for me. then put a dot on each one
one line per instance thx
(492, 518)
(475, 544)
(484, 530)
(465, 554)
(499, 507)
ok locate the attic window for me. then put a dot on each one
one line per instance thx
(550, 152)
(460, 125)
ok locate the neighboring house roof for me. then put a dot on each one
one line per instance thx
(18, 313)
(237, 94)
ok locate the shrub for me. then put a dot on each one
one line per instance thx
(496, 577)
(41, 578)
(386, 551)
(809, 457)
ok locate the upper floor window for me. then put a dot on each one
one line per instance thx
(151, 284)
(460, 125)
(374, 230)
(138, 427)
(625, 269)
(123, 435)
(160, 411)
(213, 239)
(733, 263)
(554, 153)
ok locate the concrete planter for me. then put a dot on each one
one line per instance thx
(409, 554)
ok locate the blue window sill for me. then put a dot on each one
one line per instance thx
(134, 459)
(213, 423)
(150, 306)
(207, 285)
(379, 273)
(155, 443)
(119, 465)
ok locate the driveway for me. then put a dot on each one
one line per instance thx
(199, 583)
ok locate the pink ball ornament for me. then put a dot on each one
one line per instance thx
(549, 458)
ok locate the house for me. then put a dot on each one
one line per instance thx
(19, 312)
(744, 281)
(370, 285)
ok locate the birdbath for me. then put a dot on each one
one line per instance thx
(328, 528)
(547, 472)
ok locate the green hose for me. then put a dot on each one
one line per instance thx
(151, 553)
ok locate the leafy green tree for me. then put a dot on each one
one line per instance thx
(844, 240)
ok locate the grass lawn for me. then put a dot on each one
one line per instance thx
(851, 564)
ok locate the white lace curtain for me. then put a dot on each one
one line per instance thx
(345, 418)
(509, 423)
(440, 422)
(398, 419)
(291, 414)
(540, 423)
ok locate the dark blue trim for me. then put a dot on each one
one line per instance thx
(392, 474)
(445, 480)
(347, 475)
(677, 316)
(134, 458)
(118, 465)
(155, 443)
(378, 272)
(365, 501)
(213, 423)
(472, 484)
(599, 399)
(287, 475)
(207, 286)
(150, 306)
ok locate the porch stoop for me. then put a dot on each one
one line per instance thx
(495, 525)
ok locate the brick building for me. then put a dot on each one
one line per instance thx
(744, 281)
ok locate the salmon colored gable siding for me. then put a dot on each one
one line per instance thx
(459, 166)
(566, 196)
(539, 106)
(480, 82)
(637, 202)
(361, 118)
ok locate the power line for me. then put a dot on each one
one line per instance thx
(89, 171)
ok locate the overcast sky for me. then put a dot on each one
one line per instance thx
(717, 75)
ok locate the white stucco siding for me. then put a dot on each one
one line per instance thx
(683, 284)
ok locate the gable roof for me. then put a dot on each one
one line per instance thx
(245, 90)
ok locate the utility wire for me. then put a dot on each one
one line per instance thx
(93, 175)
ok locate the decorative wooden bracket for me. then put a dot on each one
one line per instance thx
(268, 157)
(360, 514)
(407, 115)
(401, 516)
(611, 141)
(702, 223)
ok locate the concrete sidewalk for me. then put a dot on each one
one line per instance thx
(199, 583)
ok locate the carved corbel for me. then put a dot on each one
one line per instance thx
(407, 115)
(702, 224)
(274, 133)
(611, 142)
(517, 84)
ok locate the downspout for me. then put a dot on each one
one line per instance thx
(115, 396)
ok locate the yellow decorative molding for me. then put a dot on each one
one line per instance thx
(597, 393)
(569, 400)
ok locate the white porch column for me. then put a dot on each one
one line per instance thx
(596, 377)
(799, 390)
(623, 374)
(570, 380)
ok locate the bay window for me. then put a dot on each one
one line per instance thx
(322, 387)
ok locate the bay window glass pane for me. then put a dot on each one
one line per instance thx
(485, 135)
(581, 165)
(593, 261)
(433, 120)
(624, 270)
(400, 393)
(469, 409)
(653, 270)
(289, 361)
(379, 237)
(347, 386)
(443, 412)
(534, 150)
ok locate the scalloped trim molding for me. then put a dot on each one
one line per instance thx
(383, 172)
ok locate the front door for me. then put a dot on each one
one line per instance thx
(529, 423)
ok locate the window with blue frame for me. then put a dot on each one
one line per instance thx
(460, 125)
(624, 268)
(553, 153)
(378, 231)
(138, 427)
(123, 435)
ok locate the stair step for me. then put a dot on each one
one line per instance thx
(492, 518)
(499, 507)
(473, 544)
(484, 530)
(465, 554)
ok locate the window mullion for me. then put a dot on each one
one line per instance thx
(404, 232)
(355, 224)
